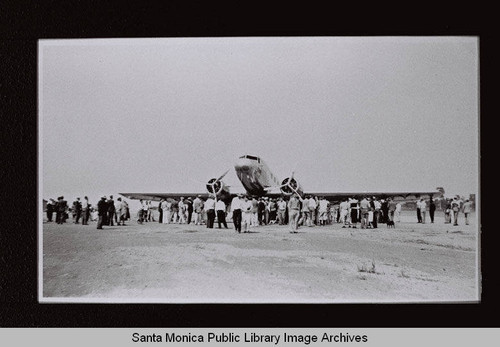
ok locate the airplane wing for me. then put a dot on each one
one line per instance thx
(159, 196)
(403, 195)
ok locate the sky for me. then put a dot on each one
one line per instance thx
(345, 113)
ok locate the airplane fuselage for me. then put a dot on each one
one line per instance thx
(255, 175)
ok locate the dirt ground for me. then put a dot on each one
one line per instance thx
(177, 263)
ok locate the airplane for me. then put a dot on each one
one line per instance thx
(259, 181)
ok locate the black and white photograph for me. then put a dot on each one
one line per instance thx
(315, 169)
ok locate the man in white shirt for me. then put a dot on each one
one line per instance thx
(166, 215)
(423, 207)
(182, 211)
(255, 210)
(246, 208)
(467, 209)
(209, 206)
(197, 210)
(281, 211)
(121, 211)
(236, 212)
(398, 212)
(312, 204)
(294, 212)
(117, 211)
(455, 207)
(85, 211)
(323, 208)
(304, 211)
(364, 206)
(344, 212)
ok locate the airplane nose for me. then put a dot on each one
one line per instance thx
(242, 165)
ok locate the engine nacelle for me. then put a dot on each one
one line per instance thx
(290, 186)
(214, 186)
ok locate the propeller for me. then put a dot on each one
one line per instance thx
(290, 182)
(275, 187)
(293, 169)
(216, 184)
(224, 174)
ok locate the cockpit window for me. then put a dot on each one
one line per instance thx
(253, 158)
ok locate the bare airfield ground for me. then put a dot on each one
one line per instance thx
(177, 263)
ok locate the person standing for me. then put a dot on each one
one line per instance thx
(266, 211)
(398, 212)
(236, 212)
(344, 211)
(73, 211)
(102, 210)
(467, 209)
(312, 205)
(198, 207)
(151, 216)
(255, 210)
(304, 211)
(160, 211)
(246, 208)
(220, 207)
(376, 212)
(432, 209)
(354, 207)
(203, 213)
(182, 211)
(121, 211)
(316, 211)
(78, 210)
(260, 211)
(447, 212)
(66, 209)
(165, 206)
(189, 209)
(294, 213)
(175, 211)
(209, 206)
(455, 207)
(384, 211)
(62, 209)
(323, 209)
(111, 210)
(50, 209)
(56, 209)
(392, 209)
(85, 211)
(423, 209)
(364, 206)
(281, 211)
(273, 207)
(419, 213)
(117, 211)
(145, 211)
(139, 212)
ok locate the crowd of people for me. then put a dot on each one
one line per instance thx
(106, 212)
(453, 208)
(248, 212)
